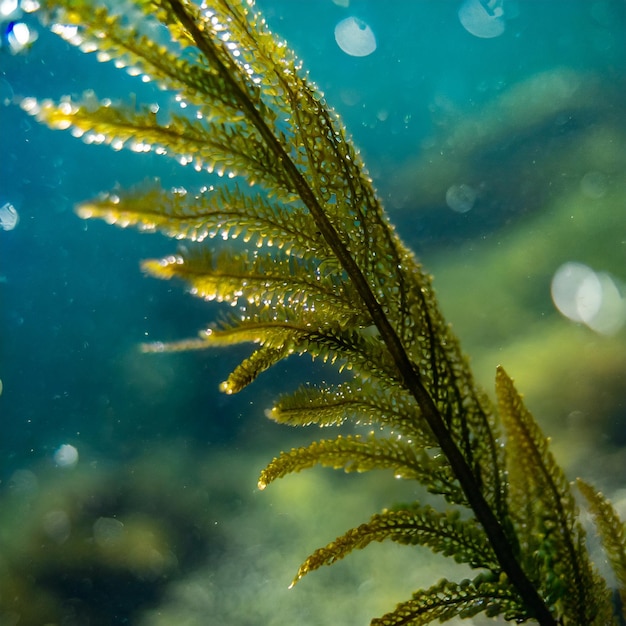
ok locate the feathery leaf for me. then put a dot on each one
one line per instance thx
(446, 600)
(612, 531)
(361, 401)
(416, 525)
(355, 453)
(545, 512)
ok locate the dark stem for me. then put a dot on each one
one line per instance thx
(497, 537)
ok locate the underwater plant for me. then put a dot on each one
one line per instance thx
(324, 273)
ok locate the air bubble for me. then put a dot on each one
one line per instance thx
(461, 198)
(594, 185)
(483, 18)
(9, 217)
(66, 456)
(107, 531)
(355, 37)
(593, 298)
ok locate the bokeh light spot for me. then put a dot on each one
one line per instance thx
(66, 456)
(461, 198)
(594, 185)
(8, 216)
(593, 298)
(483, 18)
(355, 37)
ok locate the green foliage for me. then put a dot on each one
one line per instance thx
(442, 532)
(324, 273)
(552, 541)
(359, 454)
(612, 532)
(446, 600)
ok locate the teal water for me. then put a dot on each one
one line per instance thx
(74, 304)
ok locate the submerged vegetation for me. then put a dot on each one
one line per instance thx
(324, 273)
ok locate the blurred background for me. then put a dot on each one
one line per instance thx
(495, 132)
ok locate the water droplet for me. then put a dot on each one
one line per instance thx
(355, 37)
(9, 9)
(18, 36)
(30, 6)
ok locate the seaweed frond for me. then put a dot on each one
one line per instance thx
(545, 516)
(292, 235)
(444, 532)
(612, 531)
(447, 599)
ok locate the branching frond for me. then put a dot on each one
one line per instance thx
(256, 279)
(318, 269)
(178, 68)
(420, 525)
(355, 453)
(226, 59)
(446, 600)
(209, 146)
(282, 331)
(544, 510)
(224, 213)
(361, 402)
(352, 453)
(612, 531)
